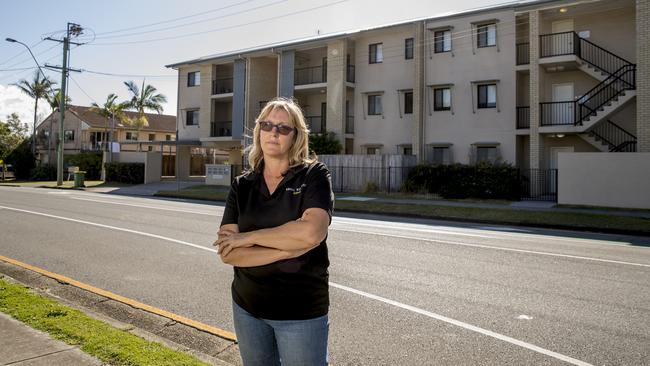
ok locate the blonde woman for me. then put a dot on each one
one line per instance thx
(273, 233)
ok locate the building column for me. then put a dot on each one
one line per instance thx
(238, 98)
(419, 93)
(336, 88)
(183, 162)
(286, 73)
(536, 140)
(205, 106)
(643, 75)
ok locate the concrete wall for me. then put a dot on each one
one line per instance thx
(152, 167)
(393, 74)
(582, 179)
(462, 67)
(261, 85)
(132, 157)
(189, 98)
(574, 141)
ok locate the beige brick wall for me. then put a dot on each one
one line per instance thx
(536, 141)
(643, 74)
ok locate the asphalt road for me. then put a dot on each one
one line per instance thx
(403, 291)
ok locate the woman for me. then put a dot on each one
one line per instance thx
(273, 233)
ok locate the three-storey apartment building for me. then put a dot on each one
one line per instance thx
(518, 83)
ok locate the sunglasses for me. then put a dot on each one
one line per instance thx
(282, 129)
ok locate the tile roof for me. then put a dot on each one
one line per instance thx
(157, 122)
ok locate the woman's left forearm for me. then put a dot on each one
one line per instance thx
(294, 235)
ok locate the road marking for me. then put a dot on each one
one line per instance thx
(470, 327)
(354, 231)
(147, 206)
(482, 246)
(125, 300)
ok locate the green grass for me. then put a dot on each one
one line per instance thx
(94, 337)
(199, 192)
(506, 216)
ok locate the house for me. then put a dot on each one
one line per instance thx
(522, 83)
(87, 131)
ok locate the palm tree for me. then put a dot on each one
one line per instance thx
(38, 88)
(110, 110)
(54, 100)
(142, 99)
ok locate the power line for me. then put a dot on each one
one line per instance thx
(220, 29)
(82, 90)
(22, 52)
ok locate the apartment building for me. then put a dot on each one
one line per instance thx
(87, 131)
(518, 83)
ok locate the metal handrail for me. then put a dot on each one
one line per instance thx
(604, 86)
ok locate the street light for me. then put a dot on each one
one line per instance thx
(11, 40)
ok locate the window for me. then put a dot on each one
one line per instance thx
(408, 48)
(487, 96)
(440, 155)
(152, 137)
(376, 53)
(486, 154)
(441, 99)
(132, 136)
(408, 103)
(68, 136)
(442, 41)
(168, 137)
(407, 151)
(486, 35)
(374, 105)
(372, 151)
(192, 118)
(194, 78)
(150, 148)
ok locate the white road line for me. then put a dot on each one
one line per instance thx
(482, 246)
(147, 206)
(470, 327)
(442, 318)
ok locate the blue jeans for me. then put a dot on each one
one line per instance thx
(281, 342)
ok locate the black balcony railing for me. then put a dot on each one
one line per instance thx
(559, 44)
(222, 86)
(221, 129)
(349, 124)
(350, 74)
(600, 57)
(602, 94)
(523, 53)
(316, 124)
(523, 117)
(557, 113)
(309, 75)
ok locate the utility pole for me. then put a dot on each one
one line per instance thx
(74, 30)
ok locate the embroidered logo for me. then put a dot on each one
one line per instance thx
(296, 191)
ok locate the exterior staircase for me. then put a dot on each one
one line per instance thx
(616, 89)
(610, 137)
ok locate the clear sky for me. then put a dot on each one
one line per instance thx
(135, 39)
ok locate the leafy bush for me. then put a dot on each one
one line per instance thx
(324, 143)
(22, 159)
(91, 163)
(371, 187)
(484, 180)
(130, 173)
(43, 173)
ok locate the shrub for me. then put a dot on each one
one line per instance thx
(130, 173)
(22, 160)
(91, 163)
(484, 180)
(324, 143)
(371, 187)
(43, 173)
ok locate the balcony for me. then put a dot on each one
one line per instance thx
(222, 86)
(349, 124)
(523, 117)
(91, 146)
(558, 113)
(523, 54)
(316, 124)
(350, 74)
(221, 129)
(310, 75)
(559, 44)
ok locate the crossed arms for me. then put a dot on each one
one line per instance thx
(264, 246)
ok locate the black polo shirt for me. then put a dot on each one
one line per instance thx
(290, 289)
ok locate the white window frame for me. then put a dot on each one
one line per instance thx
(445, 39)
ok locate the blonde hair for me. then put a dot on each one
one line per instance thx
(299, 151)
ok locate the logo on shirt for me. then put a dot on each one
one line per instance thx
(296, 191)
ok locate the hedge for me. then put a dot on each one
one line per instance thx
(130, 173)
(91, 163)
(484, 180)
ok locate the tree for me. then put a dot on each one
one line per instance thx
(38, 88)
(109, 111)
(324, 143)
(13, 146)
(141, 100)
(54, 100)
